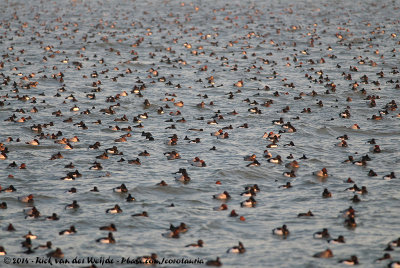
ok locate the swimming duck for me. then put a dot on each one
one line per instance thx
(56, 254)
(237, 249)
(250, 157)
(286, 186)
(338, 240)
(324, 234)
(221, 207)
(110, 228)
(143, 214)
(307, 214)
(30, 235)
(45, 246)
(275, 160)
(26, 199)
(222, 196)
(352, 261)
(69, 231)
(281, 231)
(326, 193)
(116, 209)
(250, 192)
(184, 177)
(216, 262)
(289, 174)
(251, 202)
(149, 259)
(390, 176)
(121, 189)
(107, 240)
(324, 254)
(130, 198)
(323, 173)
(74, 205)
(53, 217)
(255, 163)
(199, 244)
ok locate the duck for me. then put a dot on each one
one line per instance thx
(107, 240)
(292, 165)
(394, 264)
(395, 243)
(172, 234)
(199, 244)
(250, 157)
(237, 249)
(233, 213)
(289, 174)
(130, 198)
(281, 231)
(255, 163)
(143, 214)
(69, 231)
(74, 205)
(32, 213)
(197, 162)
(121, 189)
(324, 254)
(53, 217)
(152, 259)
(222, 196)
(48, 245)
(33, 142)
(286, 186)
(355, 199)
(389, 176)
(26, 199)
(275, 160)
(362, 191)
(267, 154)
(144, 153)
(184, 177)
(172, 155)
(254, 187)
(116, 209)
(56, 254)
(27, 243)
(30, 235)
(182, 228)
(339, 240)
(324, 234)
(323, 173)
(350, 223)
(326, 193)
(352, 261)
(10, 189)
(110, 228)
(221, 207)
(248, 193)
(307, 214)
(217, 262)
(3, 205)
(135, 162)
(249, 203)
(385, 256)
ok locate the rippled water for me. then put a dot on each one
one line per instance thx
(262, 43)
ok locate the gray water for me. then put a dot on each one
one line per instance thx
(110, 37)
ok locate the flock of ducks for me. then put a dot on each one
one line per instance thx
(62, 99)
